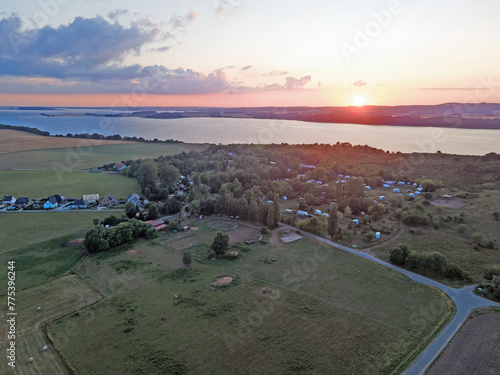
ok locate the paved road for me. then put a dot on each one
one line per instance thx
(464, 299)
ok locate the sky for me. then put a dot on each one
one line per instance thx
(248, 52)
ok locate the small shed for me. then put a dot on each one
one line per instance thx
(377, 235)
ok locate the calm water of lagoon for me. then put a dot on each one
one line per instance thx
(226, 130)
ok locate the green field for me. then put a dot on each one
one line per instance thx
(42, 184)
(66, 159)
(21, 229)
(322, 311)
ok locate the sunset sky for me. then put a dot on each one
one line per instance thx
(248, 52)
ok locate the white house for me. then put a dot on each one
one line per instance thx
(9, 199)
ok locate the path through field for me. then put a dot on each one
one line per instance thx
(55, 298)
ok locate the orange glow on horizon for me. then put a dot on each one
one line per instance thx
(313, 98)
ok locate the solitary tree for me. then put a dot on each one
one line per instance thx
(130, 209)
(147, 173)
(221, 243)
(270, 220)
(169, 175)
(333, 221)
(174, 225)
(153, 212)
(277, 216)
(187, 259)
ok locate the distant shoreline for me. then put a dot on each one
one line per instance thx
(454, 115)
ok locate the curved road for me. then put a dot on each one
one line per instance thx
(464, 299)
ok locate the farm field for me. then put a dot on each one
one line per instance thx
(42, 184)
(21, 229)
(56, 298)
(42, 262)
(16, 141)
(474, 350)
(77, 158)
(314, 308)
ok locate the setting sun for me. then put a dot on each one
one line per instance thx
(359, 101)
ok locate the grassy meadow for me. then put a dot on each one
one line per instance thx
(448, 239)
(42, 184)
(21, 229)
(76, 158)
(314, 309)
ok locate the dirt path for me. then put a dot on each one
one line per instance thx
(275, 237)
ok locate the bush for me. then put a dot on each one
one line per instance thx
(461, 228)
(187, 258)
(477, 238)
(368, 236)
(491, 244)
(151, 233)
(174, 225)
(434, 263)
(264, 231)
(436, 222)
(415, 217)
(491, 272)
(398, 255)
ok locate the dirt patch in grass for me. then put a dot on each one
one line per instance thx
(222, 281)
(133, 252)
(242, 233)
(224, 225)
(183, 244)
(268, 292)
(474, 350)
(448, 203)
(275, 236)
(76, 242)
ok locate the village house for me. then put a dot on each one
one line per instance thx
(51, 203)
(135, 199)
(108, 201)
(91, 198)
(119, 166)
(79, 203)
(8, 199)
(23, 202)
